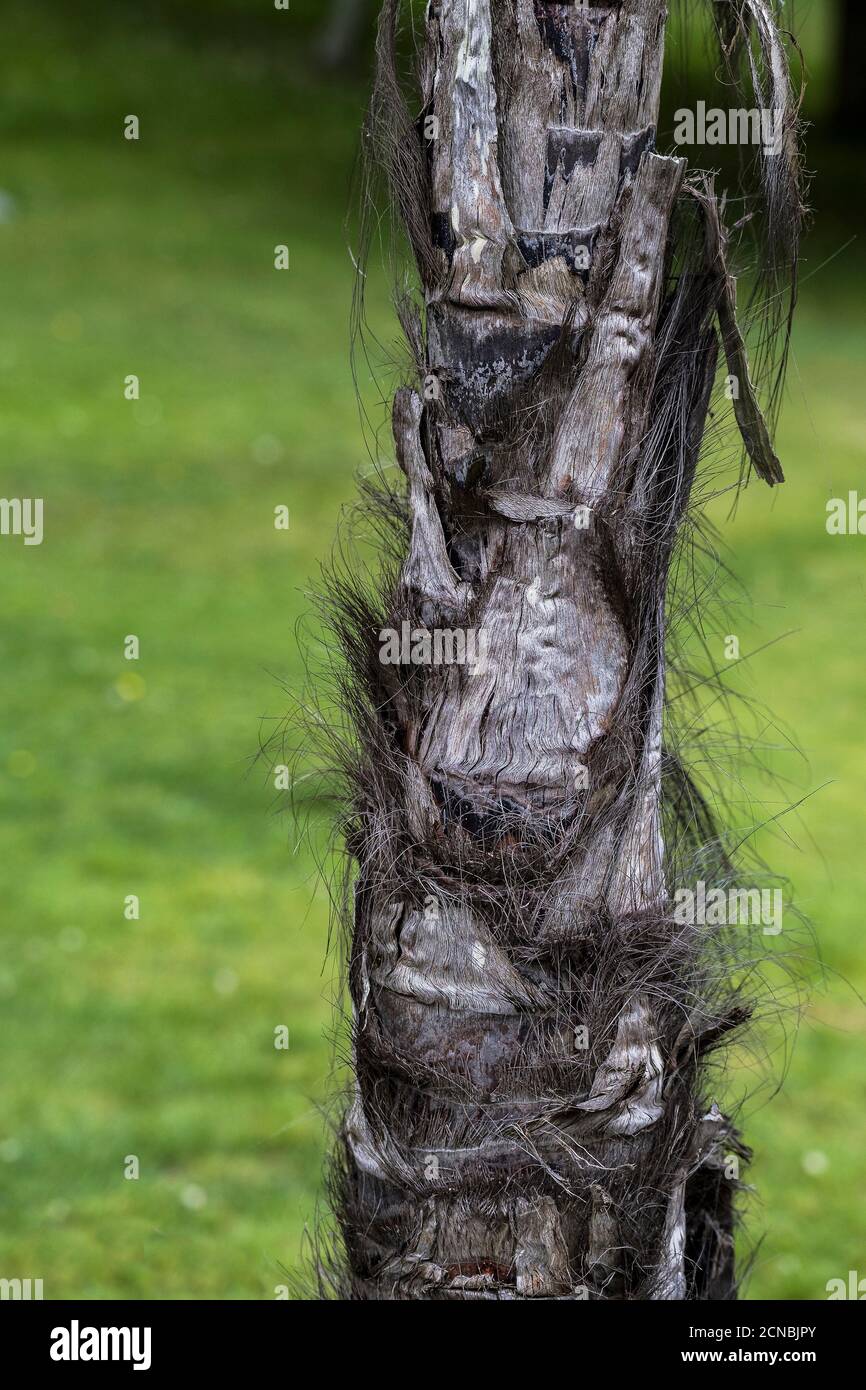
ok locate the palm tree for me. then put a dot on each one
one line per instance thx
(531, 1020)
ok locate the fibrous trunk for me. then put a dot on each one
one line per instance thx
(529, 1119)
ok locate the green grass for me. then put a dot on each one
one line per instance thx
(154, 1038)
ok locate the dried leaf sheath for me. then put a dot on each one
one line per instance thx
(529, 1021)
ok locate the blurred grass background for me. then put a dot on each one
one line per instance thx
(155, 1038)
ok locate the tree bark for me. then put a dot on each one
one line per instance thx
(530, 1118)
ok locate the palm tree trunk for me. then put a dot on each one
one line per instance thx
(530, 1118)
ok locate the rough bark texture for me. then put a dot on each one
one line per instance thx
(530, 1119)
